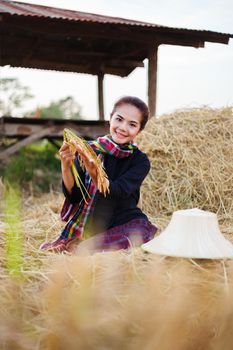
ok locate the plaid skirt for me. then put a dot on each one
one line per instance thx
(132, 234)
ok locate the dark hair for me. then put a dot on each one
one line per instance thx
(136, 102)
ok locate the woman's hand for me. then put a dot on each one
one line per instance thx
(89, 163)
(66, 156)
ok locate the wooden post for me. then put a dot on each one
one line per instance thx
(101, 96)
(152, 79)
(26, 141)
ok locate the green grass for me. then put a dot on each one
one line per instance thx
(34, 165)
(14, 230)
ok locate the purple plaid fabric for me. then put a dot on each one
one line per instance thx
(132, 234)
(75, 226)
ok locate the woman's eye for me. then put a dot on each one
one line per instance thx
(133, 125)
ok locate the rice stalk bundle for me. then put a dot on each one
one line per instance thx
(102, 183)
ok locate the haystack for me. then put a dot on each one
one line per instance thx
(192, 165)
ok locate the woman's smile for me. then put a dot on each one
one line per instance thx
(120, 135)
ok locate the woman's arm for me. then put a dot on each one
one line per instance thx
(69, 187)
(66, 160)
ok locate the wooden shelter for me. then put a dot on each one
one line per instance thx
(42, 37)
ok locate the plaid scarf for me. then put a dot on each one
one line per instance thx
(81, 212)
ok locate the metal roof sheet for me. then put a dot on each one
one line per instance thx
(25, 9)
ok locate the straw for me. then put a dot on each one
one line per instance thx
(191, 159)
(129, 299)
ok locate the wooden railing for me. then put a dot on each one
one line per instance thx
(28, 130)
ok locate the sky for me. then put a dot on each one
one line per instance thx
(187, 77)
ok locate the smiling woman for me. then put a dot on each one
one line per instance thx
(112, 220)
(128, 118)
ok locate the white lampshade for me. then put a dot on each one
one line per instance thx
(191, 233)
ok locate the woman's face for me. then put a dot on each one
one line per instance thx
(125, 123)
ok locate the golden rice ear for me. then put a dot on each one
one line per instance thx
(102, 183)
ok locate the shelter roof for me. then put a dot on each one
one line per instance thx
(36, 36)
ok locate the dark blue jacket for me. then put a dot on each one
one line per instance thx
(120, 205)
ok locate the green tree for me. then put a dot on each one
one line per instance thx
(12, 95)
(65, 108)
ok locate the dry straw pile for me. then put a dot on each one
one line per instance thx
(192, 164)
(129, 299)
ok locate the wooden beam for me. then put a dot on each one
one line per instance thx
(66, 67)
(19, 128)
(26, 141)
(152, 79)
(124, 63)
(27, 54)
(67, 48)
(197, 43)
(101, 95)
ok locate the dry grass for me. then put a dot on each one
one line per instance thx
(192, 165)
(130, 299)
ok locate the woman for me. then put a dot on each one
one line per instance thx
(113, 221)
